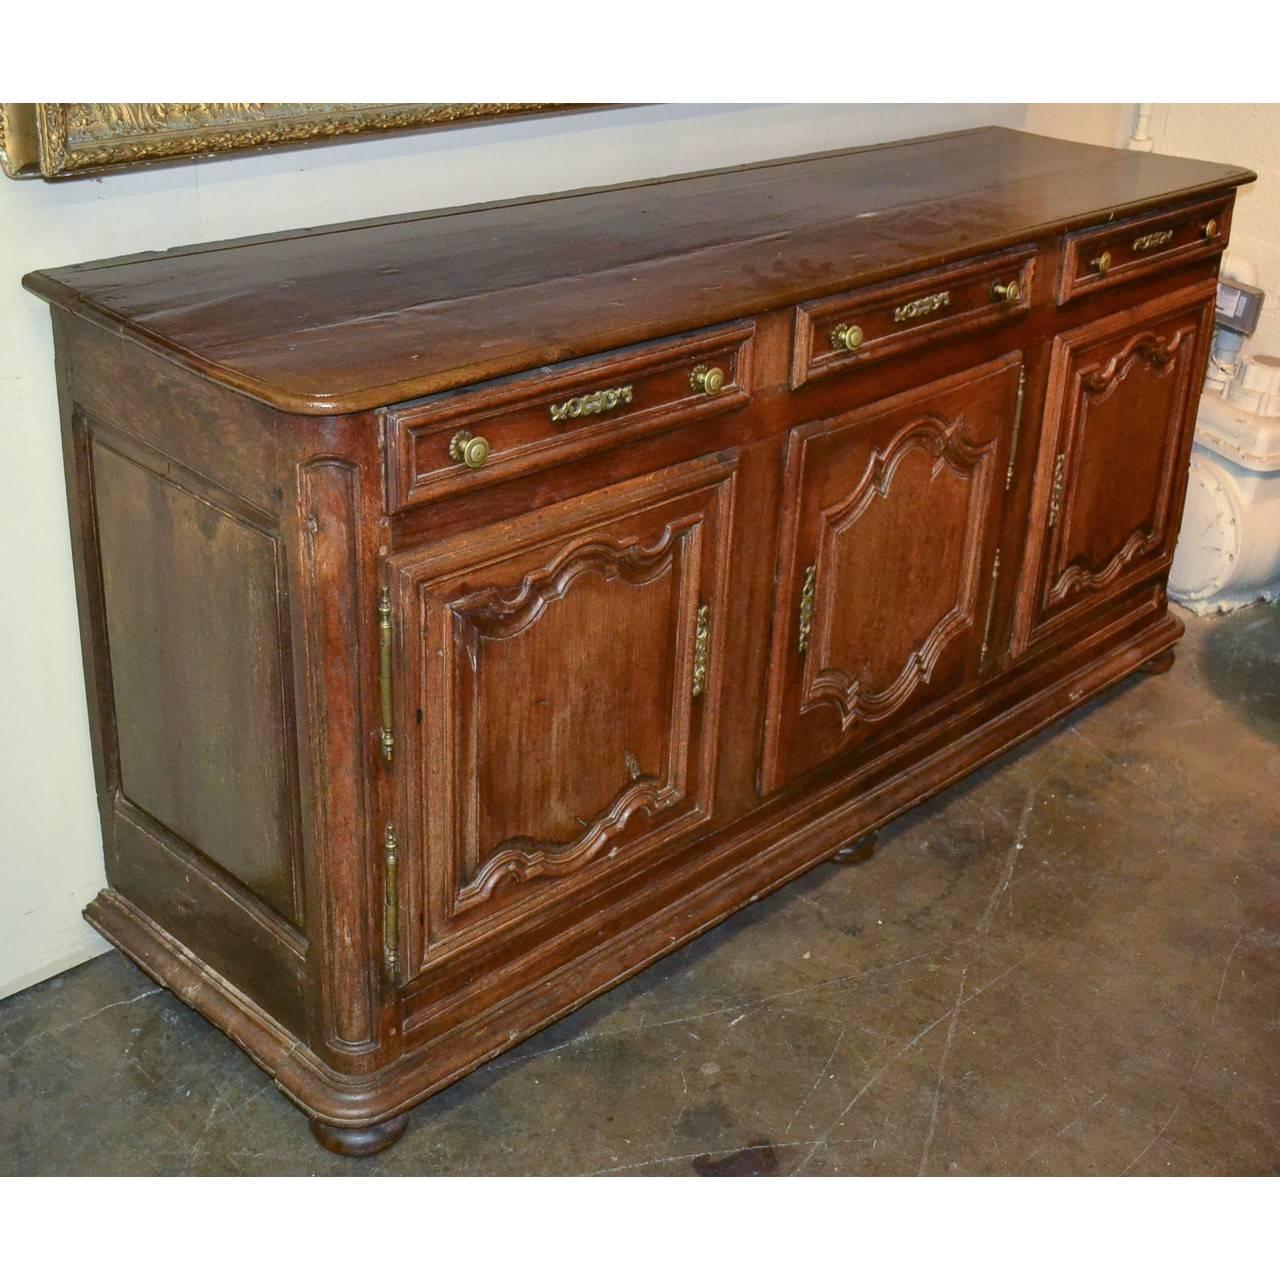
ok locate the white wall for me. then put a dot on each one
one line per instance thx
(1245, 134)
(50, 849)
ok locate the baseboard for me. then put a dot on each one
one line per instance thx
(90, 949)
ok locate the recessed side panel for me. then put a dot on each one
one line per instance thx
(192, 590)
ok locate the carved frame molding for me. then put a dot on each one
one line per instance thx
(55, 140)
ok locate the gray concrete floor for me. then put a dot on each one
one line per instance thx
(1067, 964)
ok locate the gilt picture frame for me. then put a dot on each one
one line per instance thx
(58, 140)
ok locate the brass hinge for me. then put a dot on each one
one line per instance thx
(701, 649)
(390, 906)
(1017, 427)
(1059, 483)
(386, 736)
(991, 608)
(806, 607)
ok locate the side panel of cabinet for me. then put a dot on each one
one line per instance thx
(562, 689)
(1119, 417)
(888, 562)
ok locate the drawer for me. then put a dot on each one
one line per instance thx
(464, 439)
(840, 333)
(1103, 257)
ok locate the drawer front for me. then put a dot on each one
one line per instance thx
(1104, 257)
(838, 334)
(461, 440)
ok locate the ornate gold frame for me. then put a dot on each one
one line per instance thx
(75, 139)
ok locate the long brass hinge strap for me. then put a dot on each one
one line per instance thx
(806, 607)
(991, 608)
(386, 733)
(391, 905)
(701, 649)
(1017, 428)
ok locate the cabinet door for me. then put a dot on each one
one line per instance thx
(888, 563)
(561, 681)
(1119, 416)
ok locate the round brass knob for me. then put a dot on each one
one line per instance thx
(1103, 263)
(848, 336)
(1211, 228)
(708, 380)
(1006, 292)
(469, 449)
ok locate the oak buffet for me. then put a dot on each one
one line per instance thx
(478, 605)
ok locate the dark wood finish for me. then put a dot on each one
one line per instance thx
(557, 727)
(340, 319)
(1116, 255)
(1121, 409)
(366, 1141)
(897, 318)
(536, 420)
(891, 518)
(603, 735)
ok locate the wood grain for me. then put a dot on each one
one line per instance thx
(340, 319)
(606, 734)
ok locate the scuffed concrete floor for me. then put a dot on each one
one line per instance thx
(1067, 964)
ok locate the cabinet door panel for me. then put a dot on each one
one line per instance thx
(1119, 417)
(888, 559)
(564, 695)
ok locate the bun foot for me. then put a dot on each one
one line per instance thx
(859, 851)
(359, 1142)
(1158, 665)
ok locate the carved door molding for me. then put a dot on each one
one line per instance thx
(1111, 476)
(561, 684)
(912, 486)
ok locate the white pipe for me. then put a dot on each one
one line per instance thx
(1141, 139)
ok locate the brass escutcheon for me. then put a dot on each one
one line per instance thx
(594, 402)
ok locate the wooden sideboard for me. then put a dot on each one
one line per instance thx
(478, 605)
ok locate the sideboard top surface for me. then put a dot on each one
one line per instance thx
(349, 317)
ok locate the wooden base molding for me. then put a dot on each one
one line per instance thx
(373, 1108)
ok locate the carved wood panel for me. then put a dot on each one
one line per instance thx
(886, 570)
(1109, 482)
(562, 687)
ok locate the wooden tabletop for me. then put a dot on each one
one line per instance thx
(349, 317)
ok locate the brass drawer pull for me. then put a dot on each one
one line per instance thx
(1152, 240)
(1211, 228)
(707, 379)
(1010, 292)
(922, 306)
(846, 337)
(1102, 263)
(595, 402)
(469, 449)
